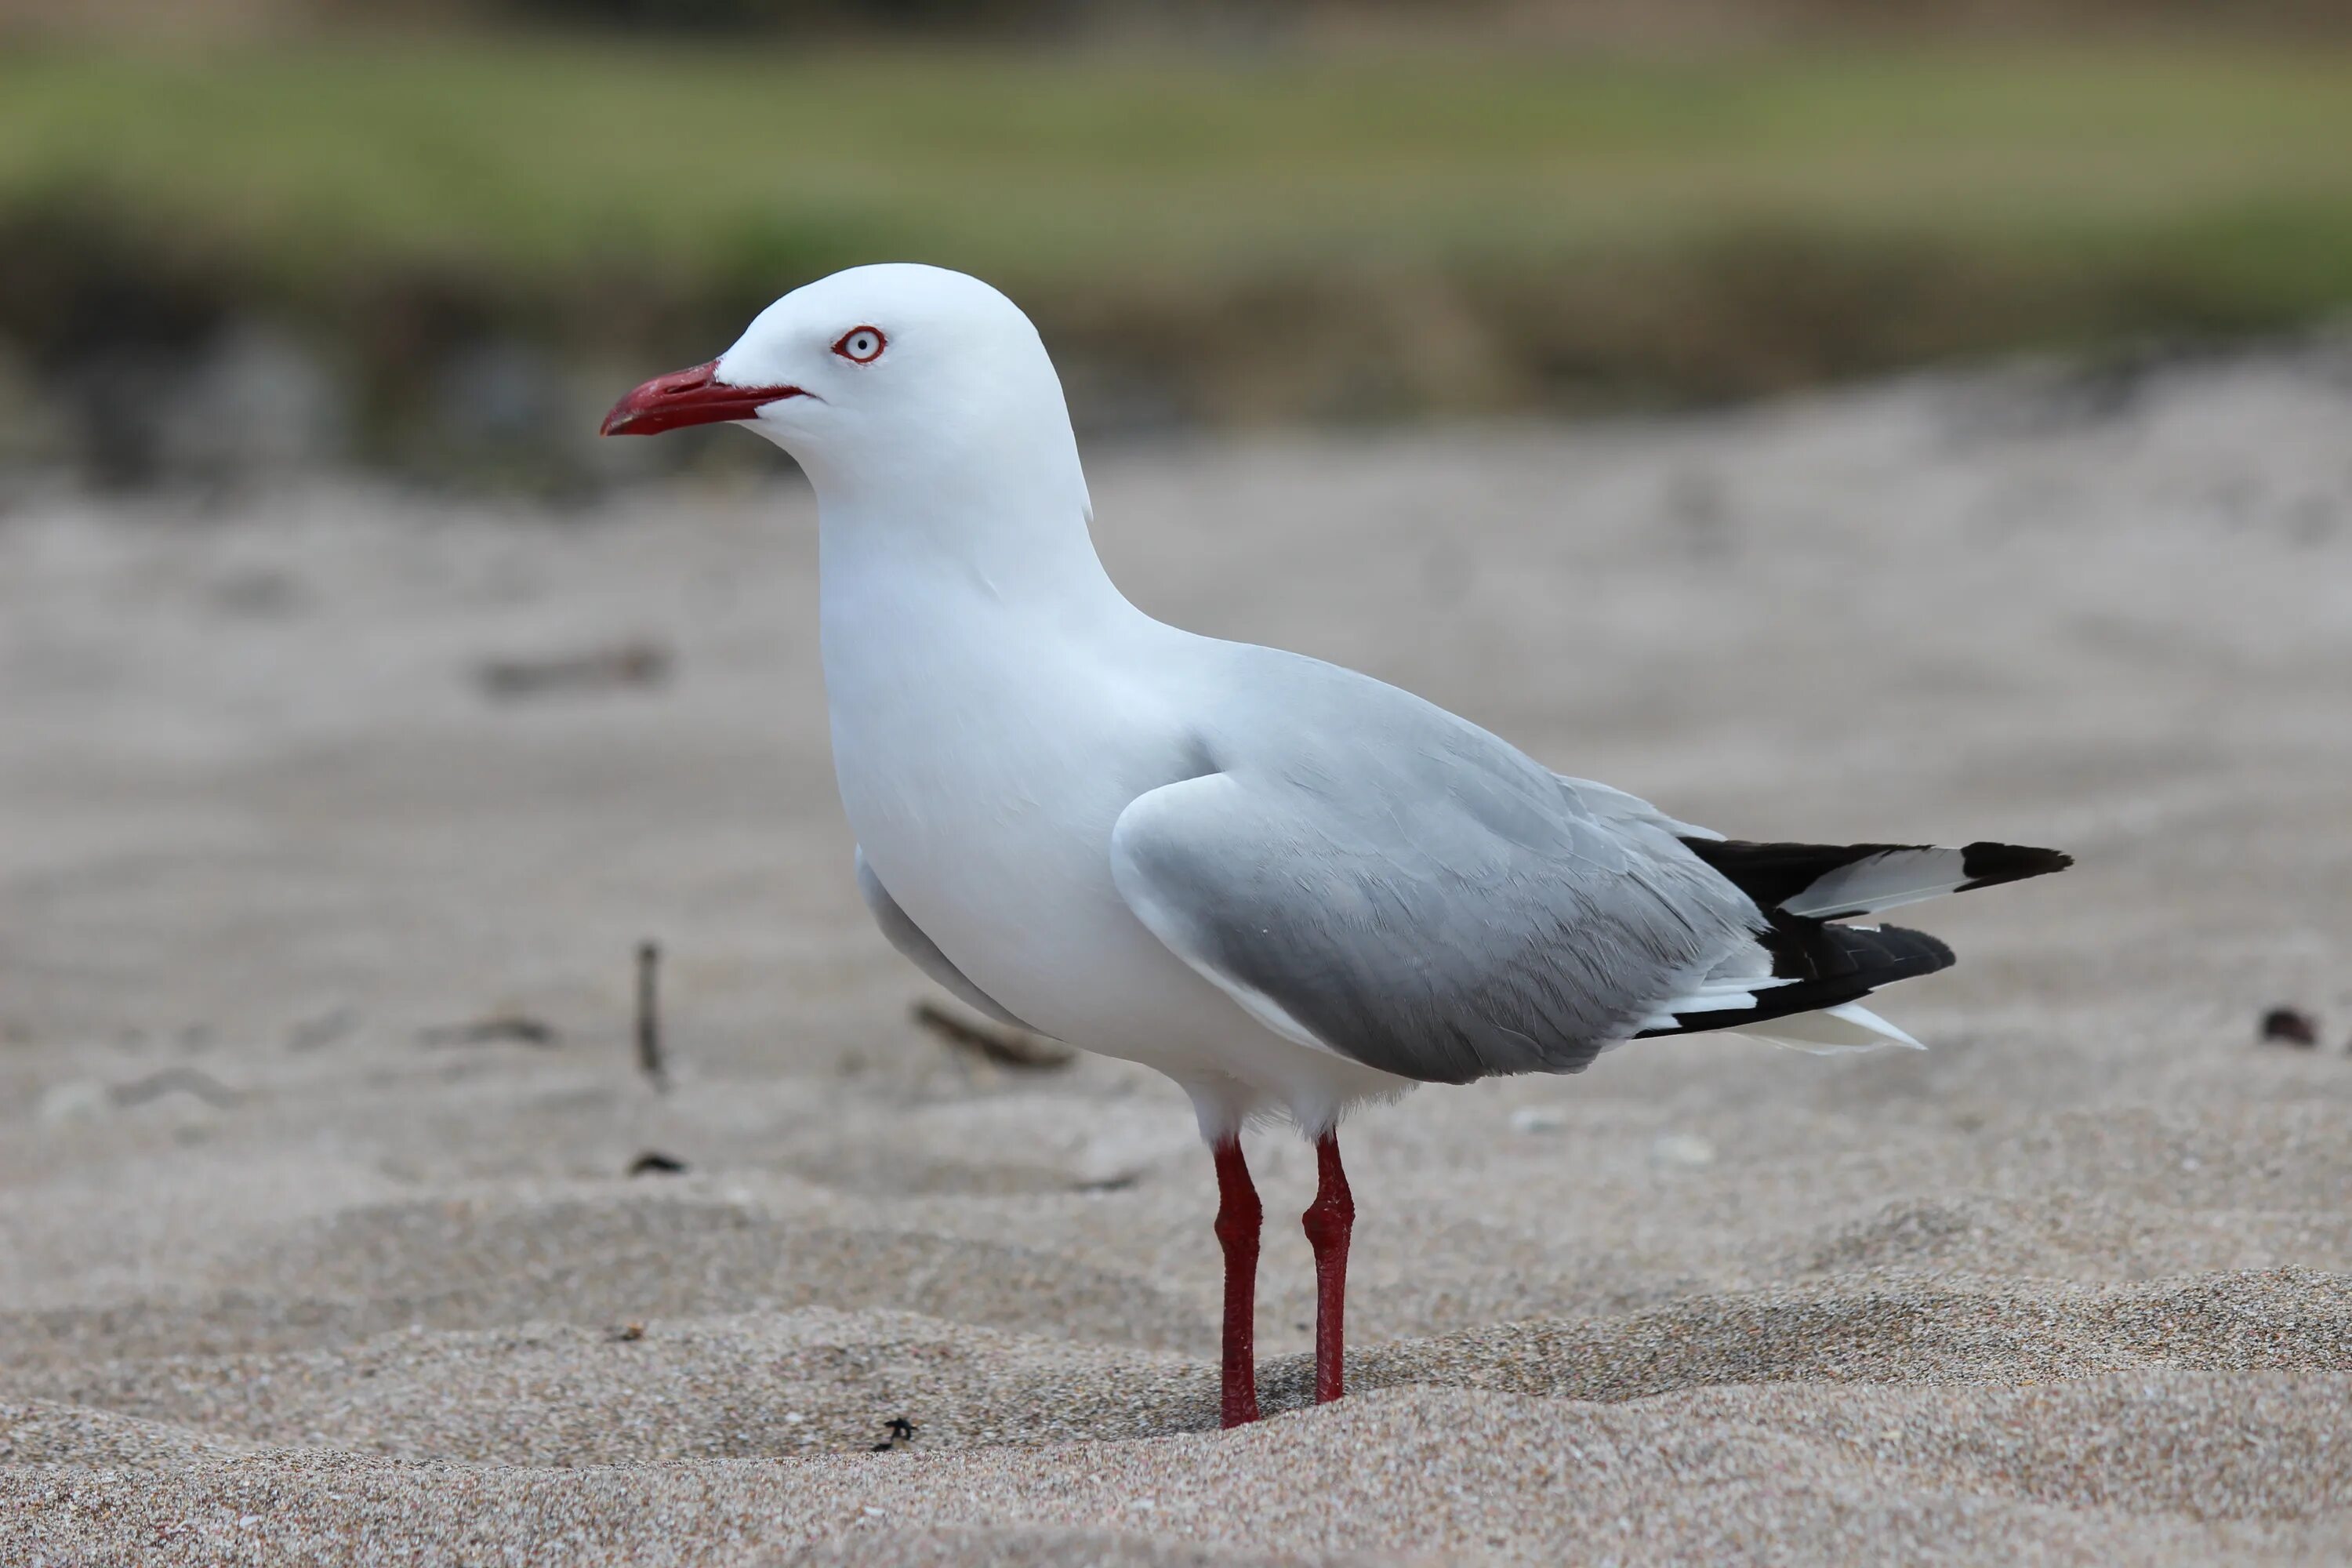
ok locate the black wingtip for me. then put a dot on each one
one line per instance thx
(1986, 863)
(1823, 965)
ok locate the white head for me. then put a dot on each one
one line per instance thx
(891, 384)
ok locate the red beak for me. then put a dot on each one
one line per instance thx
(688, 398)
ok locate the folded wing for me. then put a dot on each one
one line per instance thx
(1493, 924)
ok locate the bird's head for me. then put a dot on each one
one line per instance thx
(895, 369)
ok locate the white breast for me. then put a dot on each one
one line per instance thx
(984, 793)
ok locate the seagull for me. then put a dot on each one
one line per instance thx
(1291, 887)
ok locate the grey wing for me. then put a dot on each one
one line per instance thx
(908, 939)
(1615, 805)
(1460, 912)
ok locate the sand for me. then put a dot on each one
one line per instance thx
(290, 1276)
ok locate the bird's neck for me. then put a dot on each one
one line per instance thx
(959, 531)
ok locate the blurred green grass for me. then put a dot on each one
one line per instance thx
(2051, 192)
(550, 158)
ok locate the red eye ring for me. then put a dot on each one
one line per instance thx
(854, 335)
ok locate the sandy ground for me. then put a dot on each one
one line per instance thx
(289, 1278)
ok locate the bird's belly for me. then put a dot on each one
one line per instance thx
(1004, 860)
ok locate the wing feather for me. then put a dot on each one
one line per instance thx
(1468, 914)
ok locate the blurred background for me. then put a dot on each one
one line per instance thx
(1836, 420)
(435, 237)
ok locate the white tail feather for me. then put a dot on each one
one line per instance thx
(1714, 995)
(1882, 881)
(1849, 1026)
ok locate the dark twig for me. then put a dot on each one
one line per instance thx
(654, 1162)
(1006, 1047)
(513, 1026)
(606, 669)
(649, 1046)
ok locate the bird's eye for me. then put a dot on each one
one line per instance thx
(861, 345)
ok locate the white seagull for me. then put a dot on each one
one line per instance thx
(1289, 886)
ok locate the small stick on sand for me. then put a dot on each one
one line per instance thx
(1005, 1047)
(649, 1050)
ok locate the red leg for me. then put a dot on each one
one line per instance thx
(1238, 1218)
(1328, 1220)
